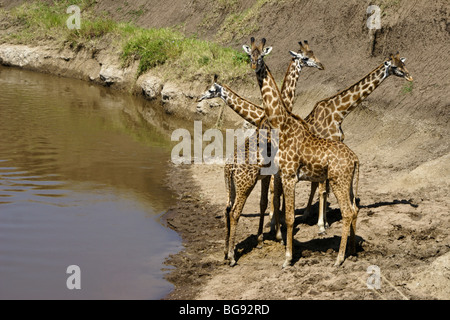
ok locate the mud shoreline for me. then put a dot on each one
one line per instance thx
(200, 226)
(395, 233)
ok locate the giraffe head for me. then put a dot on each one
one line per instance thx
(396, 66)
(215, 91)
(305, 57)
(257, 53)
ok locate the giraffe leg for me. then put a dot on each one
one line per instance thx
(352, 240)
(343, 196)
(234, 218)
(262, 207)
(322, 222)
(278, 191)
(229, 183)
(327, 192)
(354, 206)
(289, 196)
(271, 210)
(227, 231)
(307, 211)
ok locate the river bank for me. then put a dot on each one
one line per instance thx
(405, 234)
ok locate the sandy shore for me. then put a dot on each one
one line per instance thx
(406, 236)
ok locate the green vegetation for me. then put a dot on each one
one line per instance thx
(39, 20)
(152, 47)
(185, 57)
(174, 54)
(408, 87)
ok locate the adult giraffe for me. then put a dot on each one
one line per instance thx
(304, 156)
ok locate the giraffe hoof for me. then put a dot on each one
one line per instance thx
(279, 238)
(286, 264)
(338, 262)
(232, 263)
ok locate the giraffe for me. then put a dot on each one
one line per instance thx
(241, 178)
(304, 57)
(326, 118)
(327, 115)
(304, 156)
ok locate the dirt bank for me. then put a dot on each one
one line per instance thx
(400, 134)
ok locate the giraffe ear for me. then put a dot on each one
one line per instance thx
(403, 60)
(266, 50)
(247, 49)
(294, 54)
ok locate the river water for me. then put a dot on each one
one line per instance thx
(81, 183)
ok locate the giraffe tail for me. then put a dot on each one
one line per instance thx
(355, 183)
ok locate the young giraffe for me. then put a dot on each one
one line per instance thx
(327, 116)
(303, 156)
(241, 178)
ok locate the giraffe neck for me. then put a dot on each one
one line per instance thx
(274, 107)
(290, 83)
(328, 114)
(352, 96)
(247, 110)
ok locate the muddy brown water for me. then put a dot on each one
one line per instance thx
(81, 183)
